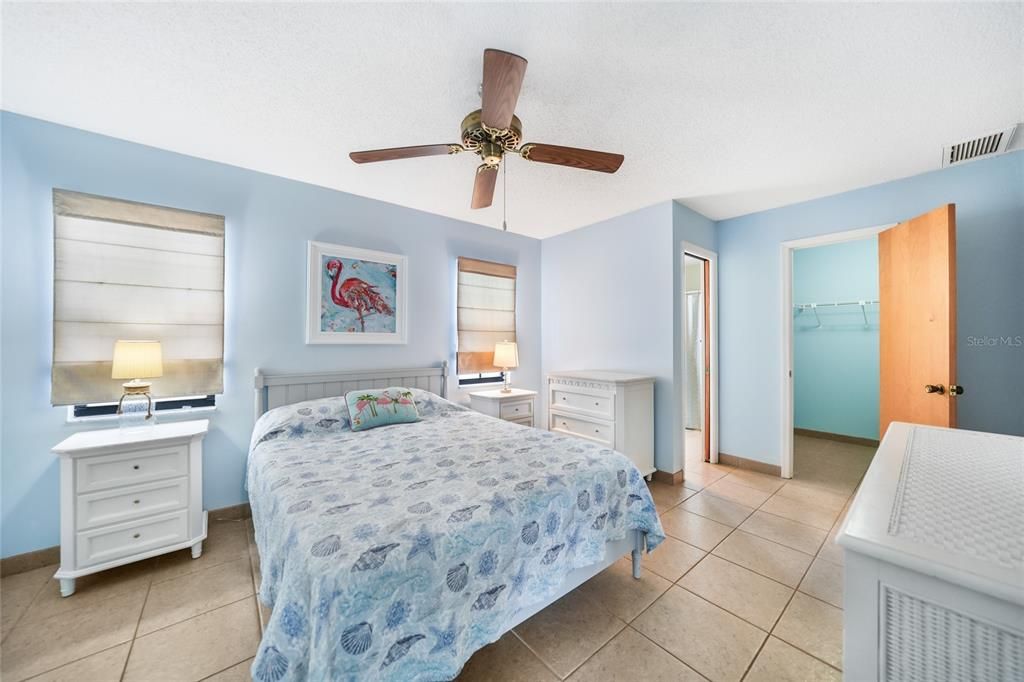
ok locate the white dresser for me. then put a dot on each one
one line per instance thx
(612, 408)
(129, 494)
(933, 585)
(518, 405)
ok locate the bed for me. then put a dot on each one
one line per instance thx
(395, 553)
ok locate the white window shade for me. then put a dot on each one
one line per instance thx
(125, 271)
(486, 312)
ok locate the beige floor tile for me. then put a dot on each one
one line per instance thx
(129, 580)
(43, 645)
(750, 596)
(693, 482)
(765, 557)
(756, 479)
(693, 529)
(173, 601)
(813, 626)
(618, 591)
(733, 490)
(809, 514)
(507, 659)
(824, 580)
(667, 496)
(106, 666)
(631, 656)
(830, 549)
(569, 631)
(779, 662)
(672, 558)
(811, 494)
(784, 531)
(717, 508)
(226, 542)
(17, 592)
(713, 642)
(240, 672)
(231, 629)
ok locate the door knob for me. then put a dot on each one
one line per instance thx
(934, 388)
(955, 390)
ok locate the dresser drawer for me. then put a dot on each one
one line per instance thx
(123, 504)
(597, 405)
(129, 468)
(524, 421)
(600, 431)
(126, 539)
(517, 410)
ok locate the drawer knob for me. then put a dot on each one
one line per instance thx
(135, 501)
(136, 467)
(563, 397)
(597, 430)
(137, 536)
(597, 404)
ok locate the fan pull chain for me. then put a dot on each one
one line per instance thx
(504, 197)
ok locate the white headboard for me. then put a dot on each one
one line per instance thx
(275, 390)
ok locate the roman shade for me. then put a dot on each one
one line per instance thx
(124, 271)
(486, 312)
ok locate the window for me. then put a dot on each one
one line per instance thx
(124, 270)
(486, 310)
(106, 409)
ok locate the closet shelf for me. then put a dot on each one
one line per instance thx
(813, 307)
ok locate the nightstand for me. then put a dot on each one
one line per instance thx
(516, 406)
(128, 495)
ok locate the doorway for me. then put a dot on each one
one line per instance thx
(699, 357)
(916, 322)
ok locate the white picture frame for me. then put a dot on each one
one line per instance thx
(330, 319)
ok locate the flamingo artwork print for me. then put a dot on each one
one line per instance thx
(358, 295)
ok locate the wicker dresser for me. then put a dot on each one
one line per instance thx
(934, 559)
(613, 408)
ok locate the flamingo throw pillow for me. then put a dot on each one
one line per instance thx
(372, 408)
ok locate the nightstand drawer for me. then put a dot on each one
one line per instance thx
(602, 432)
(126, 539)
(525, 421)
(517, 410)
(141, 466)
(599, 405)
(123, 504)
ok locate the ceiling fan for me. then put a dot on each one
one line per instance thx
(494, 130)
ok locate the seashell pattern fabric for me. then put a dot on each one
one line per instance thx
(395, 553)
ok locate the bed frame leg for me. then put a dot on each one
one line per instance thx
(638, 545)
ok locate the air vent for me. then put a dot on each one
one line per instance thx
(993, 143)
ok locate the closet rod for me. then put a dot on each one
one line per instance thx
(807, 306)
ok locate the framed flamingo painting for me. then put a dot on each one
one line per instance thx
(355, 295)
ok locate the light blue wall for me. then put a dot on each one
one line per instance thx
(835, 366)
(989, 198)
(608, 304)
(269, 220)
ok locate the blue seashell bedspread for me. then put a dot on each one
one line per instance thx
(395, 553)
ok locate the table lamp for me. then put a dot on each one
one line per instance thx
(136, 360)
(506, 356)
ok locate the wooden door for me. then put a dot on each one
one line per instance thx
(917, 324)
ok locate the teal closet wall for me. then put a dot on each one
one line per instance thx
(835, 366)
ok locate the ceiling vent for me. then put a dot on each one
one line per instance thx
(986, 145)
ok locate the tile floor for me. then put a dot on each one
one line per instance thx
(747, 586)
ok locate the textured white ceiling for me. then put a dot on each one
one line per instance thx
(727, 108)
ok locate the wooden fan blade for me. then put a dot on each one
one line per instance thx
(404, 152)
(483, 186)
(571, 156)
(503, 78)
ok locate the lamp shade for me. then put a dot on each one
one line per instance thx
(137, 360)
(506, 355)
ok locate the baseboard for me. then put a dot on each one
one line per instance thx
(855, 440)
(668, 478)
(751, 464)
(29, 561)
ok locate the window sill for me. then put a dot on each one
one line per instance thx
(181, 414)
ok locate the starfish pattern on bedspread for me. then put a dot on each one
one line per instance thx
(395, 553)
